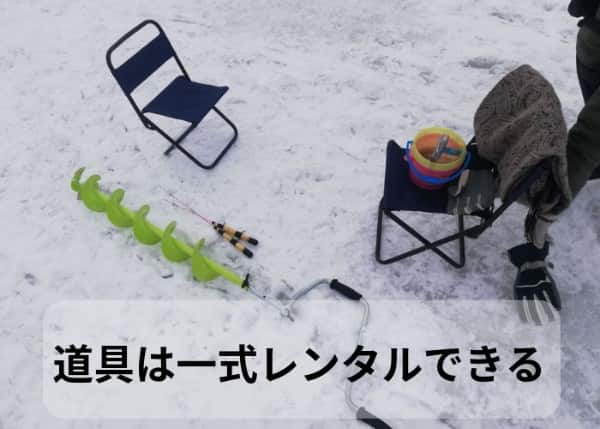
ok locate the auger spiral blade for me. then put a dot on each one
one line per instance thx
(203, 268)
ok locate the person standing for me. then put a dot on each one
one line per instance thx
(534, 282)
(588, 44)
(583, 148)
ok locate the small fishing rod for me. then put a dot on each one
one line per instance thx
(227, 232)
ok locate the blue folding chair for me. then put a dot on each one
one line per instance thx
(401, 195)
(182, 99)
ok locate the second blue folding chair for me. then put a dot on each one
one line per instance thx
(401, 195)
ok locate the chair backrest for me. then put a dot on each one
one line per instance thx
(144, 62)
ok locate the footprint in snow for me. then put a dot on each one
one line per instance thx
(482, 63)
(507, 17)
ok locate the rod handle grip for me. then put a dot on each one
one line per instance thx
(240, 235)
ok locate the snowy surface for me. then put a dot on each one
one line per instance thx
(317, 89)
(202, 328)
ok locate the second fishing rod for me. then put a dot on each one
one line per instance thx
(230, 234)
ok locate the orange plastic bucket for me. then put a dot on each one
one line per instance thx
(429, 174)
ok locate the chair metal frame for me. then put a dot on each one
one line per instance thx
(176, 142)
(487, 219)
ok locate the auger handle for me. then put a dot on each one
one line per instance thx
(370, 419)
(344, 290)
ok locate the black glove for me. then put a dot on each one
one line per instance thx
(474, 192)
(534, 287)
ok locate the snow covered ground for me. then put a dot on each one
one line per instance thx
(317, 89)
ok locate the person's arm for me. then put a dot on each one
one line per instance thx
(583, 149)
(583, 8)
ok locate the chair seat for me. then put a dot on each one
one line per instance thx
(400, 194)
(186, 100)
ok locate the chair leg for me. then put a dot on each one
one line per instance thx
(190, 156)
(194, 159)
(461, 241)
(179, 140)
(379, 232)
(231, 142)
(427, 245)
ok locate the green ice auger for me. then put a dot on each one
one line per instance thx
(203, 268)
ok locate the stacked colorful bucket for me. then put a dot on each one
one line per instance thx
(429, 174)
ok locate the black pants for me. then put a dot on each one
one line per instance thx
(589, 80)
